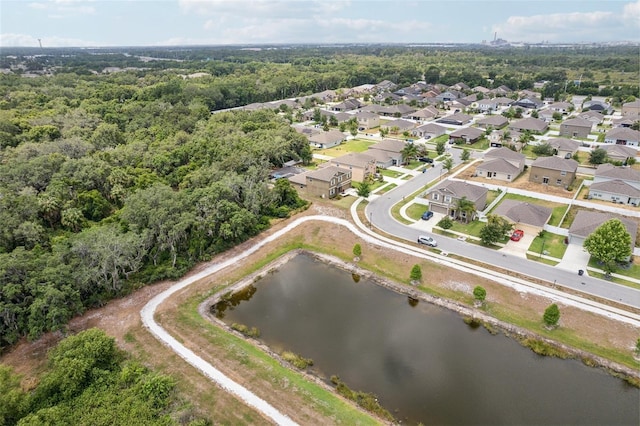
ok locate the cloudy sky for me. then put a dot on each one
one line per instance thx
(189, 22)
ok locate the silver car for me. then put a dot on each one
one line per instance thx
(427, 241)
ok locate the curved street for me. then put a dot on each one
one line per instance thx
(378, 211)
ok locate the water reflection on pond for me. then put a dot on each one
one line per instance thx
(422, 361)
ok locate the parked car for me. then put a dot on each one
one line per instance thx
(427, 241)
(427, 215)
(517, 235)
(425, 159)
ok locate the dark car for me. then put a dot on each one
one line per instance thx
(425, 160)
(427, 215)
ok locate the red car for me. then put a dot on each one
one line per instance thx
(517, 234)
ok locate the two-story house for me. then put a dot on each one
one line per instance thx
(553, 171)
(387, 152)
(359, 164)
(576, 128)
(443, 198)
(617, 184)
(367, 120)
(501, 164)
(326, 182)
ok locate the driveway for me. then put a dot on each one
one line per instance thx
(427, 225)
(576, 257)
(519, 248)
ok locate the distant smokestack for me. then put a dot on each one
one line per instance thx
(40, 43)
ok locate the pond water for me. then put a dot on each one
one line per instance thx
(422, 361)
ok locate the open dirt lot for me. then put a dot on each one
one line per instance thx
(120, 319)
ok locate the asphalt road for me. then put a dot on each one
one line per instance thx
(379, 213)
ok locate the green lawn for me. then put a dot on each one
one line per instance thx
(387, 188)
(390, 173)
(553, 244)
(633, 271)
(414, 211)
(354, 145)
(556, 215)
(472, 228)
(491, 196)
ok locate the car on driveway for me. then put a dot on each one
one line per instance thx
(427, 215)
(427, 241)
(517, 235)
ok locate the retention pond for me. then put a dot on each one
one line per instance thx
(422, 361)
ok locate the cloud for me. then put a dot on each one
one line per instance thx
(64, 8)
(573, 27)
(27, 40)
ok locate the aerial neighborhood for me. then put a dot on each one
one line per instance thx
(541, 164)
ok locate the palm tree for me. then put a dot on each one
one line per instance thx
(409, 151)
(466, 206)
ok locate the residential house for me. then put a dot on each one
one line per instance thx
(599, 106)
(367, 120)
(620, 153)
(457, 119)
(488, 105)
(617, 184)
(622, 136)
(553, 171)
(385, 86)
(501, 91)
(586, 222)
(443, 198)
(398, 126)
(308, 115)
(346, 105)
(594, 117)
(564, 148)
(497, 138)
(359, 164)
(534, 125)
(627, 120)
(631, 108)
(325, 96)
(397, 110)
(428, 131)
(387, 97)
(467, 135)
(328, 139)
(546, 115)
(424, 114)
(576, 128)
(460, 87)
(480, 89)
(501, 164)
(493, 122)
(387, 152)
(342, 117)
(529, 103)
(503, 102)
(326, 182)
(529, 217)
(563, 108)
(448, 96)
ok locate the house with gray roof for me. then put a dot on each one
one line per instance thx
(620, 153)
(346, 105)
(530, 102)
(523, 213)
(361, 165)
(561, 107)
(586, 222)
(501, 164)
(626, 120)
(576, 128)
(398, 126)
(428, 131)
(457, 119)
(326, 182)
(328, 139)
(488, 105)
(594, 117)
(553, 171)
(595, 105)
(493, 121)
(367, 120)
(466, 135)
(623, 136)
(443, 197)
(620, 185)
(534, 125)
(631, 108)
(423, 114)
(388, 152)
(563, 147)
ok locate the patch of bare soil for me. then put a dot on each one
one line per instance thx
(120, 318)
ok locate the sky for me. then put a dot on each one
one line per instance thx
(87, 23)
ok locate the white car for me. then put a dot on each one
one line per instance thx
(427, 241)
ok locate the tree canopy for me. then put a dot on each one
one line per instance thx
(610, 243)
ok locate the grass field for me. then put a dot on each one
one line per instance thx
(354, 145)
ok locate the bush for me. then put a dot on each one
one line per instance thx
(296, 360)
(416, 273)
(445, 223)
(551, 315)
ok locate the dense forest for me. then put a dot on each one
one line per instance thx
(90, 381)
(110, 180)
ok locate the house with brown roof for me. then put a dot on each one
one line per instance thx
(586, 222)
(466, 135)
(428, 131)
(563, 147)
(620, 153)
(553, 171)
(524, 214)
(623, 136)
(423, 114)
(493, 121)
(327, 139)
(326, 182)
(617, 184)
(359, 164)
(576, 128)
(443, 197)
(501, 164)
(534, 125)
(388, 152)
(631, 108)
(346, 105)
(398, 126)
